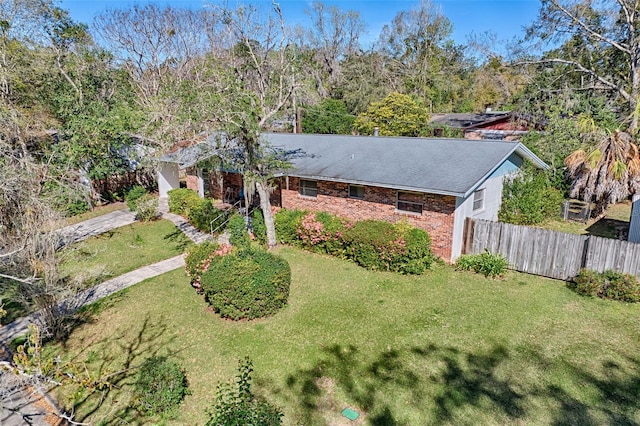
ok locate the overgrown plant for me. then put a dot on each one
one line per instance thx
(372, 244)
(528, 198)
(236, 405)
(181, 200)
(607, 285)
(147, 208)
(134, 195)
(160, 386)
(199, 258)
(488, 264)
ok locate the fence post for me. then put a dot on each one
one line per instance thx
(467, 235)
(585, 252)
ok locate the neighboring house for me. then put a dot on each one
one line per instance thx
(499, 125)
(434, 184)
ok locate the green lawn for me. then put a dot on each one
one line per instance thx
(445, 347)
(109, 255)
(123, 250)
(615, 221)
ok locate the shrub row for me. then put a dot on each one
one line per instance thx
(488, 264)
(373, 244)
(607, 285)
(199, 211)
(239, 283)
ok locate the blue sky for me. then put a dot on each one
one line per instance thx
(506, 18)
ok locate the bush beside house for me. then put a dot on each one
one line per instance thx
(372, 244)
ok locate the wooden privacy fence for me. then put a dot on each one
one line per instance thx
(550, 253)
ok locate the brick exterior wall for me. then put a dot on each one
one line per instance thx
(192, 179)
(379, 203)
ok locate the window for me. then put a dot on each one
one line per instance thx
(409, 202)
(308, 188)
(356, 191)
(478, 200)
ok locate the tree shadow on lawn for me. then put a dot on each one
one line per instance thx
(120, 355)
(179, 239)
(447, 385)
(609, 228)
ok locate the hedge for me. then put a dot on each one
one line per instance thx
(372, 244)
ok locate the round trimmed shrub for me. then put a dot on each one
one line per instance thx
(248, 284)
(160, 386)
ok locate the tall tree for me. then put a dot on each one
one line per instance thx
(423, 58)
(395, 115)
(328, 117)
(334, 35)
(602, 45)
(260, 89)
(160, 49)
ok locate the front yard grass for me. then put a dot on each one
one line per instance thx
(106, 256)
(122, 250)
(447, 347)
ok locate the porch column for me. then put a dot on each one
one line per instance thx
(168, 178)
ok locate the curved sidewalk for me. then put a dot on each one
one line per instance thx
(27, 407)
(96, 226)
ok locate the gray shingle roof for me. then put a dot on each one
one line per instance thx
(441, 166)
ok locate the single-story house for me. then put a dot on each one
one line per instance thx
(434, 184)
(501, 125)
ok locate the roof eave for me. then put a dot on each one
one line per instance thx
(518, 148)
(377, 184)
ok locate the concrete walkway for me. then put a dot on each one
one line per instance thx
(35, 408)
(96, 226)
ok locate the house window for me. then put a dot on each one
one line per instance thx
(409, 202)
(478, 200)
(308, 188)
(356, 191)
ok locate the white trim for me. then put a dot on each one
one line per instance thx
(482, 200)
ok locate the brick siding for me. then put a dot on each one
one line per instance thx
(378, 203)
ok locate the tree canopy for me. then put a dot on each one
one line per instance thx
(395, 115)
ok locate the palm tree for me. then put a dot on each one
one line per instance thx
(608, 174)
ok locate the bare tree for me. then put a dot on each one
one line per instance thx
(604, 45)
(260, 88)
(333, 36)
(160, 49)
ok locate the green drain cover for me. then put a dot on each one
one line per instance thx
(350, 414)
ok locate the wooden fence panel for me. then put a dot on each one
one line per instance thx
(532, 250)
(606, 253)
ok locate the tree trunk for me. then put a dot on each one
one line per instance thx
(265, 205)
